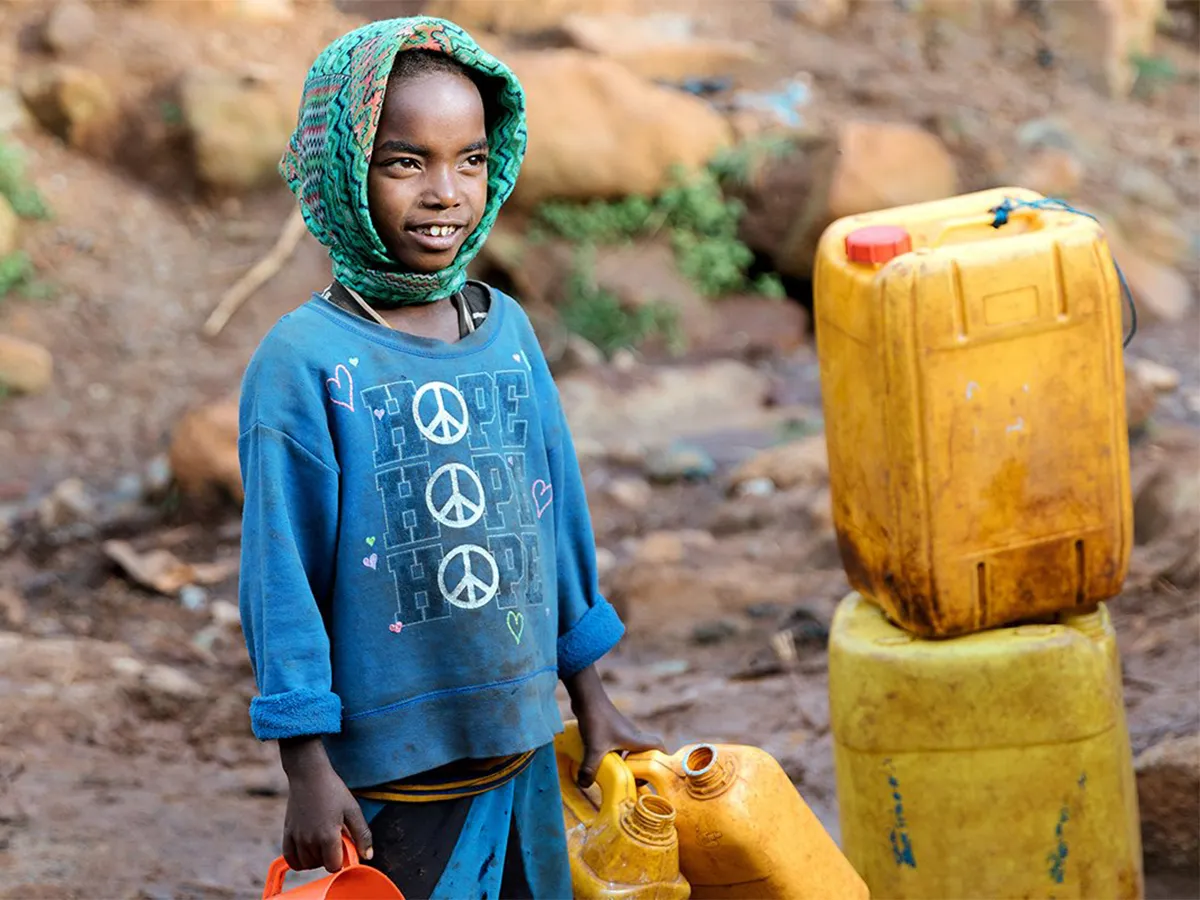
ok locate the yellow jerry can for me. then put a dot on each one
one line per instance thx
(744, 830)
(622, 846)
(992, 765)
(974, 400)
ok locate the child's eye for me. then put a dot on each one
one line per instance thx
(403, 162)
(477, 159)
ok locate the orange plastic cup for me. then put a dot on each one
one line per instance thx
(353, 882)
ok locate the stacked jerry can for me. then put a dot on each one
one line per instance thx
(974, 405)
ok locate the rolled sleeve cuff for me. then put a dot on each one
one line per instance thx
(295, 714)
(597, 632)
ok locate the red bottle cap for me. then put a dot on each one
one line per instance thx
(877, 244)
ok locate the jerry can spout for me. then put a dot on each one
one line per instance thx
(651, 820)
(707, 771)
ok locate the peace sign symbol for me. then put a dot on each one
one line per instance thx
(477, 591)
(459, 510)
(447, 426)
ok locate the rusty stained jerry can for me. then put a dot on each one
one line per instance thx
(973, 391)
(992, 765)
(744, 829)
(622, 846)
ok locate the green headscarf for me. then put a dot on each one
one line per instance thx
(329, 154)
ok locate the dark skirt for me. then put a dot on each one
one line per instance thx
(507, 843)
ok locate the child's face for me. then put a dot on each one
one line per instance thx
(427, 184)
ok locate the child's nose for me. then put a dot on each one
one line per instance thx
(442, 190)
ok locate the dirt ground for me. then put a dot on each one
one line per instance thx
(126, 765)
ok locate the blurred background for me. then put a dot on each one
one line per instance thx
(684, 159)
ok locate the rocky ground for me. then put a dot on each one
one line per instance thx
(126, 767)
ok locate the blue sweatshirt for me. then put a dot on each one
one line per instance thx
(418, 565)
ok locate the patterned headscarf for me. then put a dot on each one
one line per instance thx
(329, 154)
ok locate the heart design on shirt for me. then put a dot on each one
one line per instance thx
(396, 627)
(379, 414)
(336, 382)
(354, 361)
(371, 561)
(542, 489)
(516, 625)
(370, 542)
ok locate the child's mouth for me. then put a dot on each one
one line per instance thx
(436, 238)
(438, 230)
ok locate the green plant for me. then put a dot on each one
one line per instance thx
(17, 274)
(16, 270)
(714, 265)
(597, 222)
(699, 221)
(171, 113)
(597, 314)
(736, 165)
(1152, 73)
(15, 188)
(770, 285)
(798, 429)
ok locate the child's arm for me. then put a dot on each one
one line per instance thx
(601, 725)
(289, 534)
(588, 625)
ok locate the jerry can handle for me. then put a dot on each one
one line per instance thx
(650, 765)
(613, 776)
(983, 221)
(280, 868)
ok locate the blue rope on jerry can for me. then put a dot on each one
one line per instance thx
(1005, 209)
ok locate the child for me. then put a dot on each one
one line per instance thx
(418, 565)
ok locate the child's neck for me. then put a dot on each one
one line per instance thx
(437, 320)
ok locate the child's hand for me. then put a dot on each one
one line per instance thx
(602, 726)
(319, 809)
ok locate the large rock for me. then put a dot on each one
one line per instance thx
(803, 463)
(73, 103)
(642, 275)
(1168, 786)
(817, 13)
(1097, 40)
(163, 693)
(1160, 291)
(519, 16)
(1147, 188)
(648, 405)
(254, 11)
(861, 167)
(69, 28)
(659, 47)
(1159, 237)
(1159, 378)
(1051, 171)
(1141, 399)
(204, 453)
(716, 580)
(239, 127)
(14, 114)
(755, 326)
(596, 130)
(668, 547)
(1167, 501)
(10, 228)
(25, 367)
(638, 275)
(70, 503)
